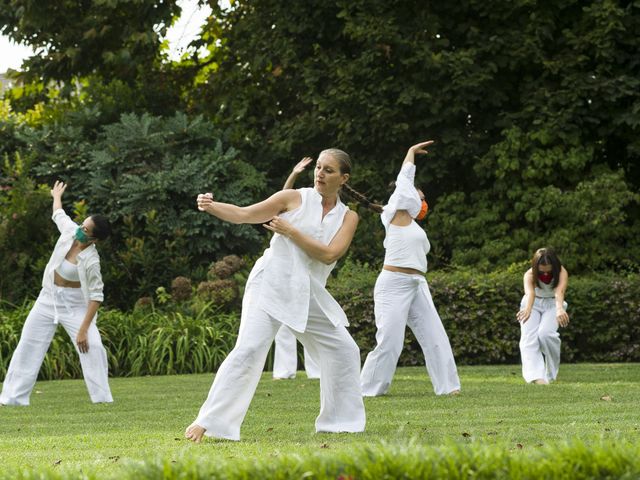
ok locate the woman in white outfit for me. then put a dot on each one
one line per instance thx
(402, 296)
(542, 310)
(312, 230)
(71, 295)
(285, 359)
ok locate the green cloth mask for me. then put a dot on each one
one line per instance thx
(81, 236)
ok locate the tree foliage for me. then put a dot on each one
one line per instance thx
(534, 106)
(74, 39)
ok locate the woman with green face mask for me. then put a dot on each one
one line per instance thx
(71, 295)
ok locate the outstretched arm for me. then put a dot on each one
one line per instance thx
(297, 170)
(317, 250)
(260, 212)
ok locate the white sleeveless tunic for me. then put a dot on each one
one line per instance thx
(290, 277)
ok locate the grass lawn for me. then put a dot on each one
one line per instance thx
(64, 431)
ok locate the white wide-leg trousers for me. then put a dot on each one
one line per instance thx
(285, 360)
(69, 307)
(341, 405)
(404, 299)
(540, 341)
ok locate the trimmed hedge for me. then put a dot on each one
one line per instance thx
(478, 311)
(479, 314)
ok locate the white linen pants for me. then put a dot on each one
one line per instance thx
(285, 359)
(540, 341)
(404, 299)
(341, 405)
(68, 307)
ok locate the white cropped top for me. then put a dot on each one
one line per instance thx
(406, 247)
(68, 271)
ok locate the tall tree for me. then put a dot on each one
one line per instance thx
(77, 38)
(535, 106)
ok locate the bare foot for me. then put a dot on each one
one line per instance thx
(454, 392)
(540, 381)
(194, 432)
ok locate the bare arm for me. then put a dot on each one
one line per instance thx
(297, 170)
(261, 212)
(417, 148)
(56, 192)
(82, 338)
(561, 314)
(317, 250)
(530, 293)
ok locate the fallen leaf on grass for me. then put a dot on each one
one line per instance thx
(606, 398)
(519, 446)
(270, 429)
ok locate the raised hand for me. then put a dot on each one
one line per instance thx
(58, 189)
(301, 165)
(420, 148)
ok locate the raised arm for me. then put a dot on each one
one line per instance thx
(56, 192)
(317, 250)
(530, 293)
(260, 212)
(297, 170)
(419, 148)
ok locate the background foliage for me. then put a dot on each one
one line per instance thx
(174, 332)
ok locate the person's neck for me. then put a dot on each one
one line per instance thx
(328, 202)
(81, 246)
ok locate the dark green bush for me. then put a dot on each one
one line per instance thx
(478, 312)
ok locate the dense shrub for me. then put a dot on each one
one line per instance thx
(144, 173)
(26, 230)
(478, 312)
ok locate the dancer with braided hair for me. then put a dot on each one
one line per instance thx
(401, 293)
(312, 230)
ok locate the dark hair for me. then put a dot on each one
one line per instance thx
(101, 227)
(546, 256)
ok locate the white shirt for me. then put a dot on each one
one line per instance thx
(88, 260)
(404, 197)
(290, 277)
(407, 246)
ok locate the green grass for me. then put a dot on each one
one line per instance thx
(62, 431)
